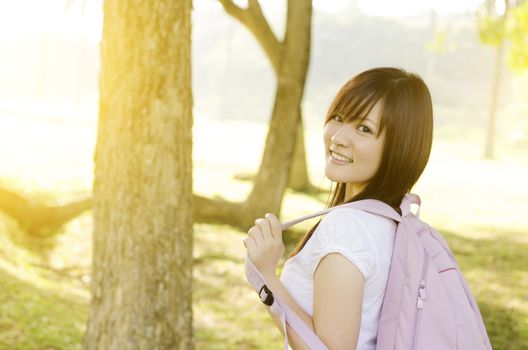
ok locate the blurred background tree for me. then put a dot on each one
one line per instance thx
(254, 20)
(283, 158)
(39, 223)
(493, 18)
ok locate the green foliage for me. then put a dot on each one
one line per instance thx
(493, 28)
(440, 44)
(517, 33)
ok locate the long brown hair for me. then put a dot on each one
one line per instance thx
(407, 113)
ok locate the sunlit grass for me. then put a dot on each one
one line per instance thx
(478, 204)
(39, 308)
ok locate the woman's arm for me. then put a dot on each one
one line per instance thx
(338, 295)
(275, 284)
(338, 300)
(338, 288)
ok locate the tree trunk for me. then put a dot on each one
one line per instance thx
(271, 180)
(489, 151)
(298, 177)
(142, 203)
(289, 60)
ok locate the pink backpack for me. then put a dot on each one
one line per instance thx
(428, 303)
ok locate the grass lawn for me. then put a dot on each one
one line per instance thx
(478, 205)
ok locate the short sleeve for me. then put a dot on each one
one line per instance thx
(340, 231)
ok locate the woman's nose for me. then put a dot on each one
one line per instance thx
(340, 137)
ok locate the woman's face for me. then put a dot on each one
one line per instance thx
(360, 143)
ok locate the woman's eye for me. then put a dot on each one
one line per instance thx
(366, 129)
(336, 116)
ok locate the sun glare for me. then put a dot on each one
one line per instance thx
(332, 6)
(415, 7)
(67, 18)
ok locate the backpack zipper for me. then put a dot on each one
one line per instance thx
(421, 297)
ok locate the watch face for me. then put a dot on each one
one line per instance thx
(266, 296)
(263, 296)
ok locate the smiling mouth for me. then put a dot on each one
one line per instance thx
(340, 158)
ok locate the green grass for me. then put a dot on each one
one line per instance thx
(37, 318)
(39, 308)
(478, 205)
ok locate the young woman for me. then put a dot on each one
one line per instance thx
(377, 139)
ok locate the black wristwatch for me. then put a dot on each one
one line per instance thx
(266, 296)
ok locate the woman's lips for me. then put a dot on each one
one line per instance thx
(337, 161)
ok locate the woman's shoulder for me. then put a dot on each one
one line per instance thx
(348, 231)
(355, 228)
(347, 225)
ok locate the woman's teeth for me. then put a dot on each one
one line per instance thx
(341, 158)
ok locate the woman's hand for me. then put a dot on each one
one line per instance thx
(264, 244)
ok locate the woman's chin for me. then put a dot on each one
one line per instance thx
(330, 175)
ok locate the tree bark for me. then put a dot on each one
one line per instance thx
(142, 202)
(298, 176)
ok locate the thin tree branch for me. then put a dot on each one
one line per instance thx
(253, 18)
(234, 10)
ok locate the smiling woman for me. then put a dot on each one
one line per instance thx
(377, 138)
(365, 255)
(382, 119)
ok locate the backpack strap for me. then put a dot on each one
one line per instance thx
(285, 313)
(373, 206)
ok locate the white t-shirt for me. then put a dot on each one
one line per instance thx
(363, 238)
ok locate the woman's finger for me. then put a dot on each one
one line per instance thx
(255, 234)
(275, 226)
(250, 243)
(265, 228)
